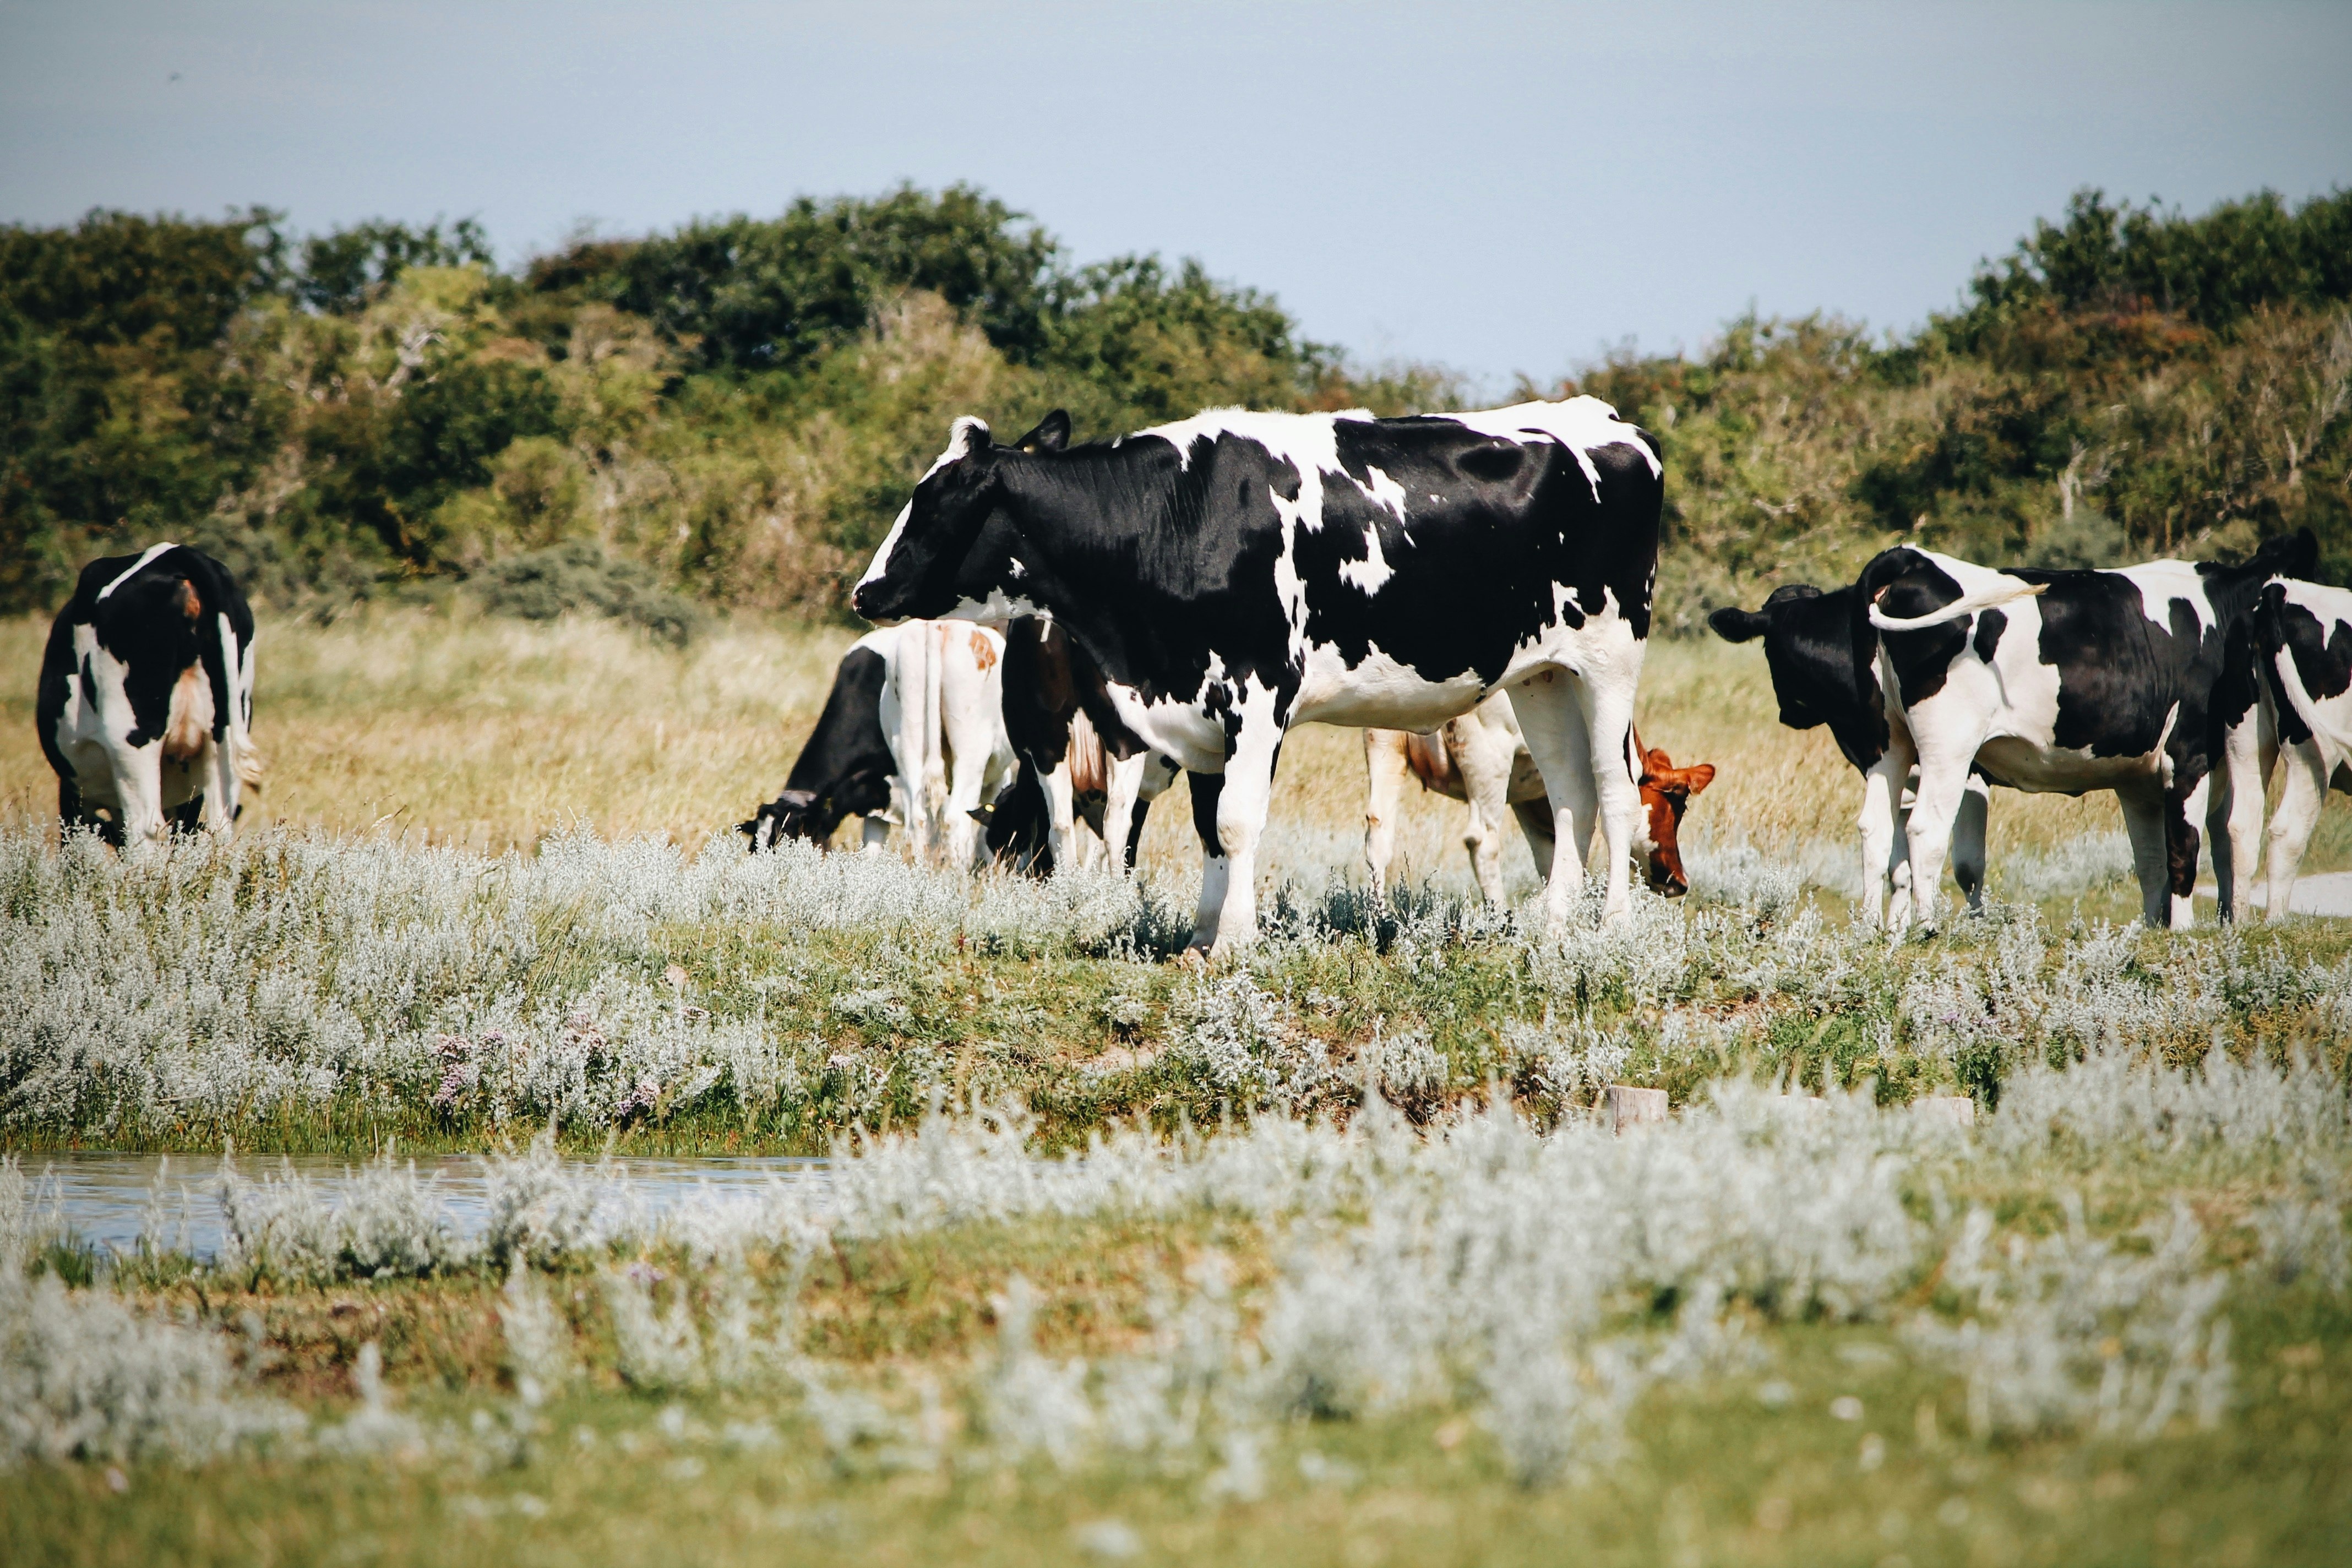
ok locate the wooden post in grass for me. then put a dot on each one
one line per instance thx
(1957, 1109)
(1627, 1105)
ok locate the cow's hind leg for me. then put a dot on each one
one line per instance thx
(1968, 840)
(1606, 693)
(1943, 785)
(2234, 816)
(2301, 798)
(1241, 824)
(1558, 737)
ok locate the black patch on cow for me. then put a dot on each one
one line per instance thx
(1990, 626)
(845, 769)
(1040, 691)
(1820, 648)
(1161, 564)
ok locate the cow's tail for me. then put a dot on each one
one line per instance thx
(2009, 590)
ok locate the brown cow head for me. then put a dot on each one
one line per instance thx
(1666, 792)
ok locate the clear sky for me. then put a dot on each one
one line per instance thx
(1497, 187)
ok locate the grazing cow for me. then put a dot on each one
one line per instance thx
(2303, 633)
(1478, 758)
(1823, 655)
(914, 729)
(2072, 681)
(1236, 574)
(1058, 716)
(145, 704)
(845, 768)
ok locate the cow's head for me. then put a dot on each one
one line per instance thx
(950, 552)
(1666, 792)
(795, 814)
(1822, 652)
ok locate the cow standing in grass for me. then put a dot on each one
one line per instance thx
(1823, 653)
(913, 731)
(2134, 680)
(145, 702)
(1236, 574)
(2303, 640)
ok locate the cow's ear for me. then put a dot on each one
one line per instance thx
(1053, 434)
(1733, 623)
(1699, 777)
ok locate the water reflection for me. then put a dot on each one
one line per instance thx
(108, 1198)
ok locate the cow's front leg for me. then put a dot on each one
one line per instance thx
(1559, 739)
(1241, 823)
(1208, 790)
(1384, 774)
(2144, 808)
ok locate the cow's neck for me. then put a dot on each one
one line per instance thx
(1074, 513)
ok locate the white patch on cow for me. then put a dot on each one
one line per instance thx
(137, 566)
(2161, 581)
(995, 610)
(881, 561)
(1370, 573)
(1579, 423)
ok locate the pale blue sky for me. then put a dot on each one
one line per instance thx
(1498, 187)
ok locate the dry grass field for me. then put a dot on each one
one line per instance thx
(445, 727)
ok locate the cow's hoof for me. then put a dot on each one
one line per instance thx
(1193, 958)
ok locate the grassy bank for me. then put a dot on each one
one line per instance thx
(2108, 1325)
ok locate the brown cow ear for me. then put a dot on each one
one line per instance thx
(1700, 776)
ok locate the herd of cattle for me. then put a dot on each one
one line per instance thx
(1064, 628)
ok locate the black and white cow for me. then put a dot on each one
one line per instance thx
(845, 769)
(145, 704)
(2132, 679)
(1823, 653)
(2302, 634)
(1236, 574)
(912, 731)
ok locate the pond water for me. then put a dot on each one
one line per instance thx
(107, 1198)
